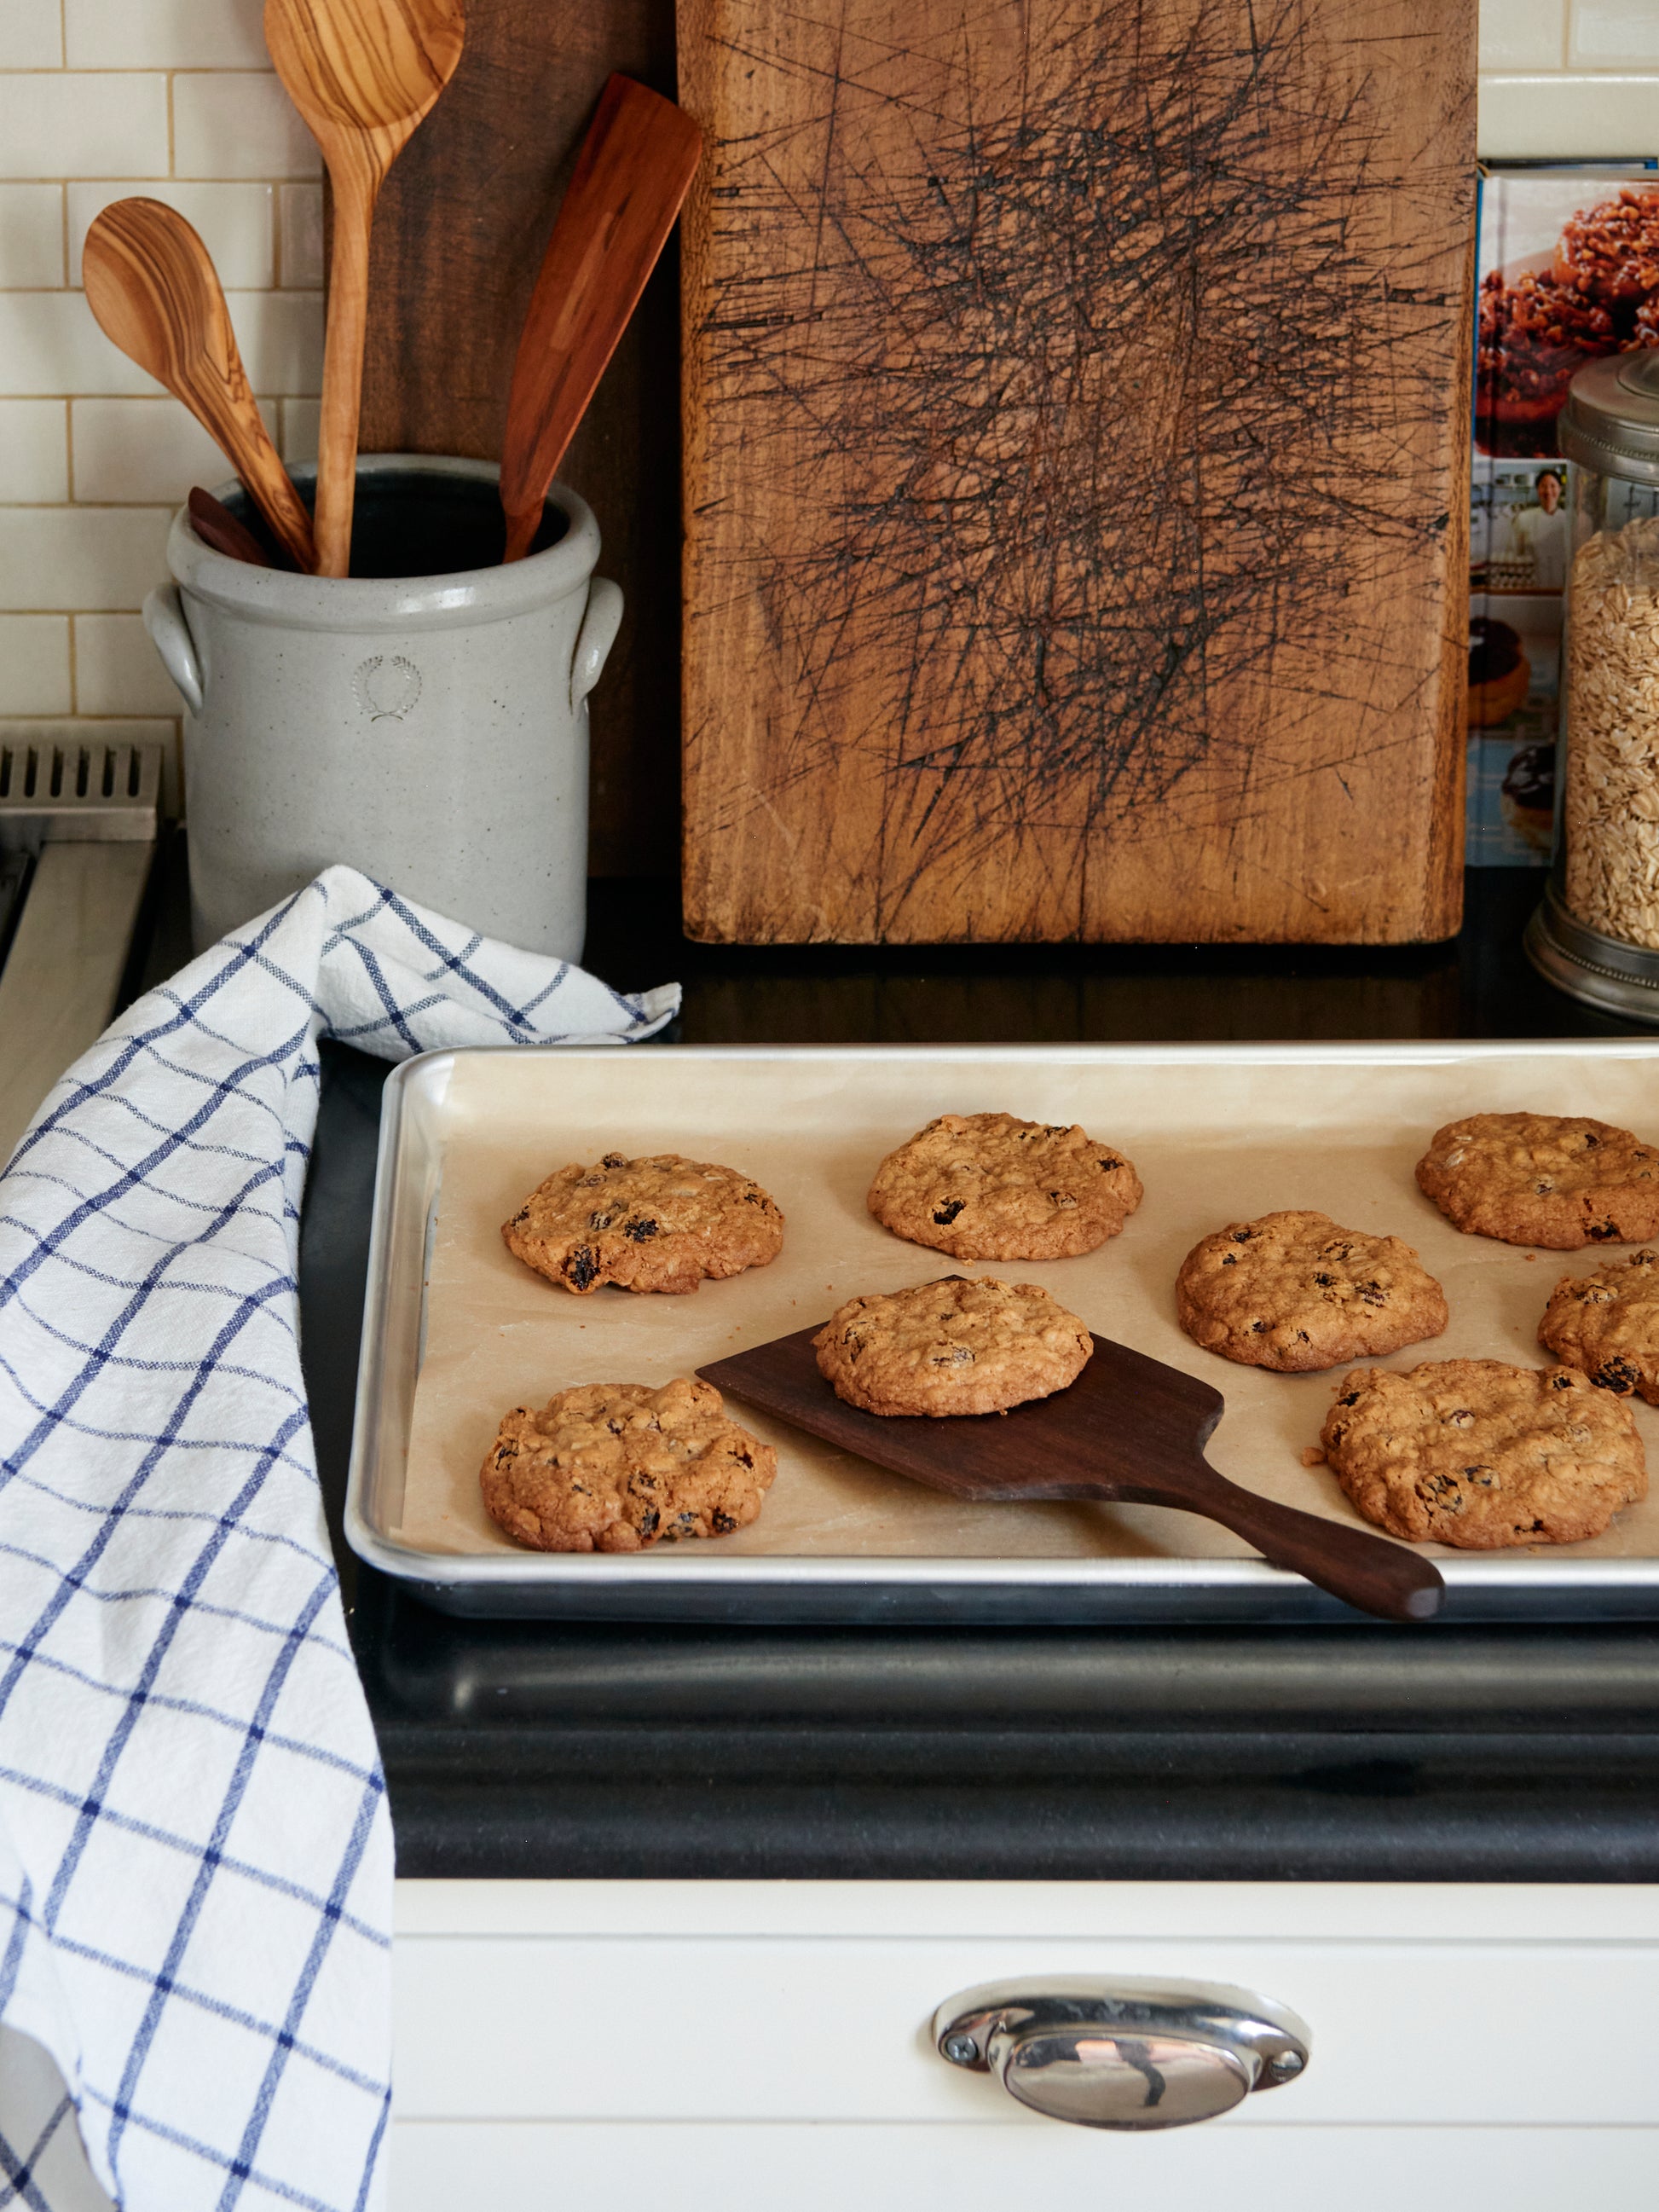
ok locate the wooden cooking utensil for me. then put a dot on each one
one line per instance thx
(635, 168)
(1129, 1431)
(215, 526)
(362, 73)
(151, 284)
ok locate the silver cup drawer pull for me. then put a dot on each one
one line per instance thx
(1122, 2054)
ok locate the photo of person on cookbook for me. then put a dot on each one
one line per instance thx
(1539, 533)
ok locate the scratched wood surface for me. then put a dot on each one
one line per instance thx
(1075, 428)
(459, 233)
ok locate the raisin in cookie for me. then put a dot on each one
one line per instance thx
(953, 1347)
(1477, 1454)
(617, 1466)
(1293, 1291)
(660, 1223)
(992, 1187)
(1607, 1325)
(1554, 1179)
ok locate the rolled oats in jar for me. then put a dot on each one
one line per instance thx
(1597, 932)
(1611, 815)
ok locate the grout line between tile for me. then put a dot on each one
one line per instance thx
(140, 69)
(158, 180)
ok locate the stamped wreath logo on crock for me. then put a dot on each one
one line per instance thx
(386, 690)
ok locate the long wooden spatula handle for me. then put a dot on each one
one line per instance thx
(1371, 1573)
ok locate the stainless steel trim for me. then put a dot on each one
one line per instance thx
(689, 1587)
(81, 794)
(1129, 2054)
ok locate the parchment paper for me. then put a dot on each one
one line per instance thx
(1211, 1145)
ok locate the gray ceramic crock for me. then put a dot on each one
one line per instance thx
(430, 729)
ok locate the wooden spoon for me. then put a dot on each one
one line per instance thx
(362, 73)
(215, 526)
(635, 168)
(1129, 1430)
(151, 283)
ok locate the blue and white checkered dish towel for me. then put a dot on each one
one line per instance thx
(195, 1853)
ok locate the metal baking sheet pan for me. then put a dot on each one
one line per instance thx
(457, 1330)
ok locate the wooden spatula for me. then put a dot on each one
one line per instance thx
(362, 73)
(635, 168)
(215, 526)
(1129, 1431)
(152, 286)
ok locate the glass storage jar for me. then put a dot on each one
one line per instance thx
(1597, 932)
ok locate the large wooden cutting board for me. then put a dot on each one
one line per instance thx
(1075, 436)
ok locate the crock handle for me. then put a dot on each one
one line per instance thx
(164, 618)
(600, 620)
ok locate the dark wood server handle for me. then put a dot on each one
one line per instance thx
(215, 526)
(1372, 1573)
(1131, 1429)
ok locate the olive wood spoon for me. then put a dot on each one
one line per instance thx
(362, 74)
(152, 286)
(635, 168)
(1130, 1430)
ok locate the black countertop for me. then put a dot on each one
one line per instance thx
(1356, 1752)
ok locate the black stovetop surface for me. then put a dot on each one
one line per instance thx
(1348, 1752)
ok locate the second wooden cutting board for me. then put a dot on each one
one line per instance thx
(1076, 428)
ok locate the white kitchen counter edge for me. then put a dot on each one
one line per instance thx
(1505, 1912)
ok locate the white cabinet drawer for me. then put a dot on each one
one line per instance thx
(445, 2166)
(783, 2028)
(547, 2028)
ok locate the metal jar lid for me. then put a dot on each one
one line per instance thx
(1611, 420)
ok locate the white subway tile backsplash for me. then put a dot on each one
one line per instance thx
(31, 235)
(281, 335)
(235, 123)
(187, 34)
(34, 664)
(302, 236)
(1614, 33)
(299, 421)
(88, 125)
(70, 558)
(236, 222)
(34, 451)
(31, 34)
(1568, 117)
(1519, 34)
(143, 452)
(117, 670)
(49, 343)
